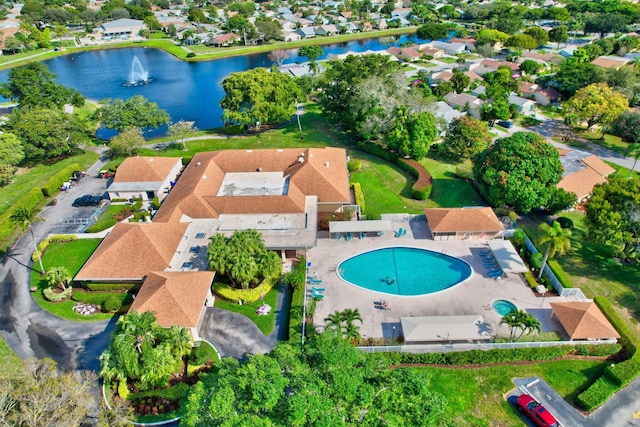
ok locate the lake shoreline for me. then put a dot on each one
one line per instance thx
(181, 53)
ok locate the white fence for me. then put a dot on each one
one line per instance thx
(448, 347)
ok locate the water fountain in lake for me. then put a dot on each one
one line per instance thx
(138, 75)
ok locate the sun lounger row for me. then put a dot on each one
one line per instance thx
(401, 232)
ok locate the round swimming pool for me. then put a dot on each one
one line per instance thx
(502, 306)
(404, 271)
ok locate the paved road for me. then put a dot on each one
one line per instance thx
(616, 412)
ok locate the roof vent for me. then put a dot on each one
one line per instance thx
(204, 176)
(259, 169)
(151, 160)
(300, 159)
(326, 164)
(249, 151)
(279, 150)
(198, 164)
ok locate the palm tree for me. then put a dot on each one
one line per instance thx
(179, 340)
(557, 239)
(351, 332)
(529, 324)
(23, 217)
(515, 319)
(633, 150)
(349, 316)
(58, 276)
(334, 321)
(217, 253)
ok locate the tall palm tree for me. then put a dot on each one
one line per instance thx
(557, 239)
(334, 321)
(350, 315)
(23, 217)
(58, 276)
(529, 324)
(515, 319)
(217, 253)
(179, 340)
(633, 150)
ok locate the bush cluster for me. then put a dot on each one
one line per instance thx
(246, 295)
(53, 184)
(202, 353)
(175, 392)
(100, 226)
(354, 165)
(597, 394)
(297, 303)
(52, 296)
(54, 238)
(531, 281)
(421, 189)
(359, 195)
(559, 272)
(111, 304)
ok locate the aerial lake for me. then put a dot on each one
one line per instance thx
(186, 90)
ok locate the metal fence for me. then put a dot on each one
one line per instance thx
(562, 291)
(450, 347)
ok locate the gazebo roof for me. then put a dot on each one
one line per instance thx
(583, 320)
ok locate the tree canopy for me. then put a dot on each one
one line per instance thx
(33, 85)
(11, 151)
(259, 96)
(243, 257)
(432, 31)
(136, 111)
(412, 134)
(597, 103)
(613, 216)
(330, 383)
(519, 171)
(465, 138)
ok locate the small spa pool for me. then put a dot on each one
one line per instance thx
(502, 306)
(404, 271)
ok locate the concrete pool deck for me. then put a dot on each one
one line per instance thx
(474, 296)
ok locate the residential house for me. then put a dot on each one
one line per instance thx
(407, 54)
(177, 298)
(449, 48)
(401, 13)
(381, 24)
(545, 59)
(145, 178)
(583, 320)
(224, 40)
(524, 106)
(306, 32)
(350, 28)
(492, 63)
(464, 102)
(614, 62)
(547, 96)
(121, 28)
(527, 89)
(299, 70)
(445, 113)
(433, 52)
(366, 26)
(327, 30)
(567, 51)
(469, 42)
(468, 223)
(582, 171)
(290, 36)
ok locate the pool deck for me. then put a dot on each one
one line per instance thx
(474, 296)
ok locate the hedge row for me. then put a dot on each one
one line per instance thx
(560, 273)
(297, 304)
(52, 296)
(53, 184)
(473, 357)
(421, 189)
(54, 238)
(246, 295)
(359, 195)
(531, 281)
(617, 375)
(111, 286)
(175, 392)
(101, 226)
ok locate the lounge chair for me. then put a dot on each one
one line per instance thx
(363, 234)
(338, 236)
(404, 232)
(317, 295)
(379, 233)
(349, 236)
(314, 281)
(399, 232)
(315, 289)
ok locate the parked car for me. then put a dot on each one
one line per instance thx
(505, 124)
(536, 412)
(87, 200)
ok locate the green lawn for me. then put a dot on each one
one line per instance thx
(476, 397)
(611, 142)
(9, 361)
(106, 219)
(448, 60)
(264, 323)
(449, 191)
(71, 255)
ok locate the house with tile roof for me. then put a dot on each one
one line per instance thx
(583, 320)
(408, 54)
(144, 178)
(582, 172)
(121, 27)
(464, 102)
(463, 223)
(547, 96)
(176, 298)
(614, 62)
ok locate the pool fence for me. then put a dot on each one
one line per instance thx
(450, 347)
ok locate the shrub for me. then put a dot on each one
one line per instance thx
(137, 204)
(531, 281)
(191, 55)
(54, 238)
(52, 296)
(123, 390)
(421, 189)
(111, 286)
(118, 200)
(156, 203)
(186, 160)
(53, 184)
(175, 392)
(246, 295)
(627, 339)
(597, 394)
(560, 274)
(359, 195)
(623, 373)
(565, 222)
(100, 226)
(295, 312)
(112, 303)
(203, 352)
(354, 165)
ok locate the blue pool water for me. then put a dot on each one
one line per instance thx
(404, 271)
(502, 306)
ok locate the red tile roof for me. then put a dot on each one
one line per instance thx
(145, 169)
(583, 320)
(449, 220)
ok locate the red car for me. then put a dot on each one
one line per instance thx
(536, 412)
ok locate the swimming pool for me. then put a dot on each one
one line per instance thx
(502, 306)
(404, 271)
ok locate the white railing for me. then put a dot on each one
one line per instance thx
(450, 347)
